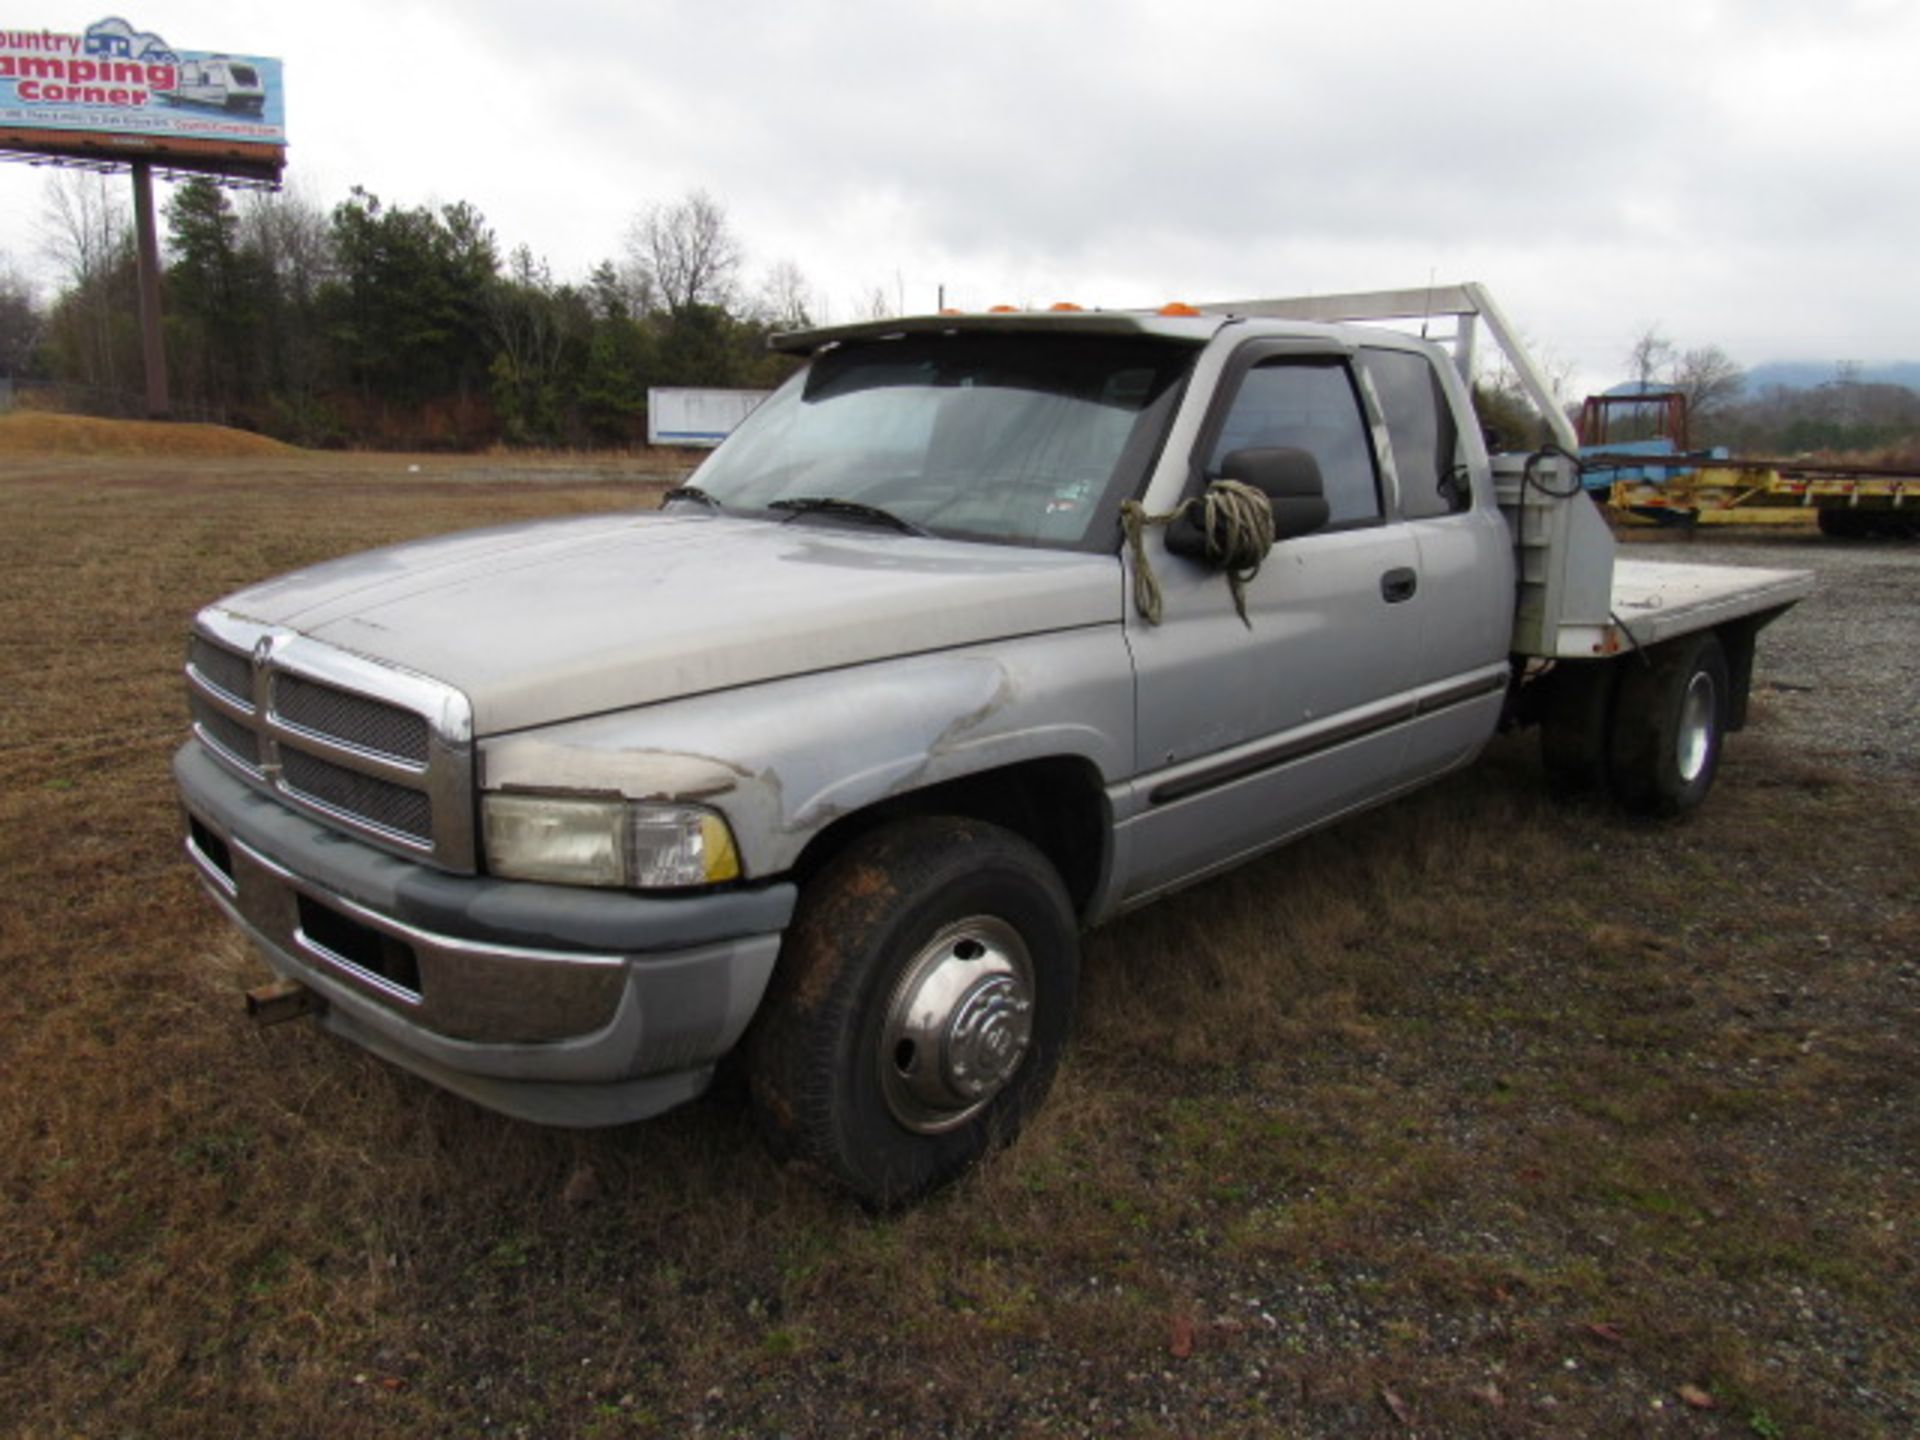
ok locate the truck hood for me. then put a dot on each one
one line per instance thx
(558, 619)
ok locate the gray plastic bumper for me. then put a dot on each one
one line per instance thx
(563, 1005)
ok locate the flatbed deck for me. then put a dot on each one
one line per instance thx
(1655, 600)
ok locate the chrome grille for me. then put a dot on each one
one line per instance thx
(239, 741)
(381, 753)
(365, 797)
(223, 668)
(351, 719)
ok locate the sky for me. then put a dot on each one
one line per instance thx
(1738, 173)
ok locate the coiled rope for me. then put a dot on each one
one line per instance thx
(1236, 512)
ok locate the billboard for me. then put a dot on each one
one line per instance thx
(116, 92)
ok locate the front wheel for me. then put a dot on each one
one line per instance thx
(1669, 719)
(923, 996)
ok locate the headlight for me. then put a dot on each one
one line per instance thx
(607, 842)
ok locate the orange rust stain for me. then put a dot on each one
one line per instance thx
(866, 881)
(812, 975)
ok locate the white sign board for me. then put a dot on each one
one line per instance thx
(697, 417)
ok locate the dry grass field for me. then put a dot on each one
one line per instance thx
(1472, 1116)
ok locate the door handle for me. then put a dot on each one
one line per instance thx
(1398, 585)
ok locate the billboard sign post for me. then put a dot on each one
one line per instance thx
(153, 347)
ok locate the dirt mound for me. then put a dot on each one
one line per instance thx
(33, 433)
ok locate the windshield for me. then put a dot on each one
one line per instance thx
(1032, 439)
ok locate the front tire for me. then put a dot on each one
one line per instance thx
(923, 996)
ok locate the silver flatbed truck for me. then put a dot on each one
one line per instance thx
(980, 631)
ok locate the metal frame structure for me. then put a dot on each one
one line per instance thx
(1468, 305)
(1596, 414)
(227, 159)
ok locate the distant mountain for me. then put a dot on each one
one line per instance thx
(1806, 374)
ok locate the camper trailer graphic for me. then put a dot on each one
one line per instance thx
(219, 82)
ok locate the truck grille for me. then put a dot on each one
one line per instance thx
(369, 724)
(379, 802)
(240, 741)
(375, 751)
(223, 669)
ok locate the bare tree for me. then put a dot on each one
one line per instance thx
(287, 242)
(1709, 378)
(532, 321)
(526, 318)
(22, 321)
(1508, 410)
(84, 230)
(290, 234)
(687, 252)
(84, 224)
(786, 300)
(1649, 357)
(621, 290)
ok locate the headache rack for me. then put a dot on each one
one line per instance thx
(1468, 305)
(1575, 600)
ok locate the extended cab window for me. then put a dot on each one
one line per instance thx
(1307, 405)
(1426, 443)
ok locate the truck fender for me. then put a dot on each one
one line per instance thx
(786, 759)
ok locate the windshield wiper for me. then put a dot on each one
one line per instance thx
(850, 510)
(694, 493)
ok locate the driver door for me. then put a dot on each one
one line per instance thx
(1250, 732)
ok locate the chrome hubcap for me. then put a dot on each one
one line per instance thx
(1695, 741)
(958, 1025)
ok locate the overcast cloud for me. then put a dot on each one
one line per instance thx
(1740, 174)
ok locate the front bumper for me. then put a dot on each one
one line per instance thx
(557, 1004)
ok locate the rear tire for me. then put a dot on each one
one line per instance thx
(1669, 721)
(1896, 524)
(1844, 524)
(923, 997)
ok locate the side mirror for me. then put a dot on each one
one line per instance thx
(1291, 481)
